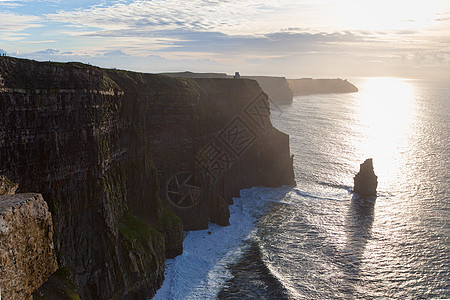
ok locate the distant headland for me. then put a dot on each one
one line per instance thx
(282, 90)
(277, 88)
(309, 86)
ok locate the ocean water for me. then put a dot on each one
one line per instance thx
(320, 241)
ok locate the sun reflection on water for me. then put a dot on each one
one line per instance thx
(386, 109)
(332, 244)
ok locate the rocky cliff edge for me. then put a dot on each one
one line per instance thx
(27, 255)
(107, 148)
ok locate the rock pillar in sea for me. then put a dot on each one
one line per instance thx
(366, 181)
(27, 256)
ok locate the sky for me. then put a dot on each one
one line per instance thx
(292, 38)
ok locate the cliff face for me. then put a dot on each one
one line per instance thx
(106, 149)
(231, 145)
(308, 86)
(277, 88)
(188, 74)
(27, 258)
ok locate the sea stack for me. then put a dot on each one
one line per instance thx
(366, 180)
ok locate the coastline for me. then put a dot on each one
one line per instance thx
(102, 146)
(203, 268)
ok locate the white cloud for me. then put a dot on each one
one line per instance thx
(11, 22)
(115, 53)
(50, 52)
(39, 42)
(266, 36)
(232, 16)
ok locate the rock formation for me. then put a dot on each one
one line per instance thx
(27, 255)
(366, 180)
(188, 74)
(7, 187)
(277, 88)
(308, 86)
(102, 145)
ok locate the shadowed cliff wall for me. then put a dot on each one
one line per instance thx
(277, 88)
(100, 145)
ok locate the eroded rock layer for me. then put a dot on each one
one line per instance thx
(27, 255)
(103, 147)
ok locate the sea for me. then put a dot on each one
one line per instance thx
(318, 240)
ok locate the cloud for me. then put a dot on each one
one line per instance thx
(39, 42)
(265, 36)
(443, 16)
(24, 4)
(11, 22)
(277, 43)
(13, 26)
(54, 55)
(183, 40)
(407, 32)
(10, 4)
(321, 55)
(430, 57)
(109, 59)
(49, 52)
(200, 15)
(115, 53)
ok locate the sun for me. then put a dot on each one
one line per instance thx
(387, 110)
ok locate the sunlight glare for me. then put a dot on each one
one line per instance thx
(386, 114)
(386, 14)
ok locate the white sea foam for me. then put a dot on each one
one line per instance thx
(201, 271)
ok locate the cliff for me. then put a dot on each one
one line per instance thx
(27, 255)
(308, 86)
(115, 154)
(276, 88)
(188, 74)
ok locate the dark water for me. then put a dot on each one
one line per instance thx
(322, 242)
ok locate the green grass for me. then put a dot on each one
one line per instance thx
(58, 286)
(138, 232)
(167, 218)
(64, 274)
(143, 238)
